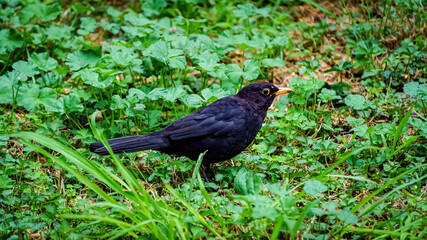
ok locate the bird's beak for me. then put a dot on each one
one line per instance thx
(283, 91)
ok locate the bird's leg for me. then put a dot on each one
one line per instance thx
(204, 174)
(205, 177)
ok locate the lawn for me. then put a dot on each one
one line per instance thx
(341, 157)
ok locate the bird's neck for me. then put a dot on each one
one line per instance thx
(252, 107)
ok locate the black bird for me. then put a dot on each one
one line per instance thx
(223, 129)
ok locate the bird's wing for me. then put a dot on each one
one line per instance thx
(213, 120)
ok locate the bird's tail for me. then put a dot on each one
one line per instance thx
(131, 144)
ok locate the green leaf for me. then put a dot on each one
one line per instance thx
(371, 73)
(248, 9)
(133, 31)
(273, 62)
(247, 182)
(192, 100)
(213, 93)
(9, 41)
(79, 8)
(280, 41)
(219, 72)
(368, 48)
(416, 90)
(207, 61)
(47, 13)
(26, 14)
(31, 97)
(328, 95)
(315, 188)
(355, 121)
(331, 207)
(43, 61)
(28, 69)
(113, 12)
(158, 50)
(112, 27)
(122, 55)
(234, 72)
(359, 129)
(135, 95)
(242, 40)
(244, 11)
(8, 86)
(174, 93)
(68, 104)
(260, 211)
(6, 182)
(80, 59)
(356, 102)
(41, 11)
(50, 79)
(250, 72)
(325, 145)
(348, 217)
(259, 41)
(57, 33)
(310, 65)
(119, 103)
(318, 211)
(137, 20)
(93, 78)
(153, 7)
(161, 51)
(87, 25)
(156, 94)
(342, 66)
(341, 88)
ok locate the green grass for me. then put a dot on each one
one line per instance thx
(342, 157)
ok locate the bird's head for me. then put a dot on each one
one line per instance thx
(261, 94)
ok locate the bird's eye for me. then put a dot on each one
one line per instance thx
(265, 91)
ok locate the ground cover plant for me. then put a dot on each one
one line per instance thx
(342, 157)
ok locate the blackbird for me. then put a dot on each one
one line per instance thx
(223, 129)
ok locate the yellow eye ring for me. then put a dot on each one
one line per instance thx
(266, 92)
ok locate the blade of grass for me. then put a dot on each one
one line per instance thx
(373, 231)
(75, 157)
(301, 218)
(353, 177)
(277, 228)
(410, 140)
(195, 171)
(145, 204)
(192, 210)
(366, 199)
(206, 194)
(335, 164)
(406, 227)
(129, 177)
(135, 227)
(366, 210)
(342, 159)
(399, 129)
(79, 176)
(82, 179)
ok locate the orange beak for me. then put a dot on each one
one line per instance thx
(283, 91)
